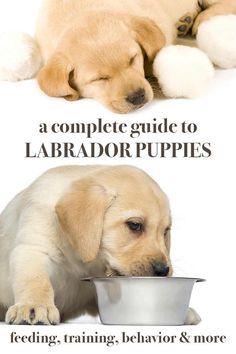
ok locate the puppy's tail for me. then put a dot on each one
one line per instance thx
(20, 57)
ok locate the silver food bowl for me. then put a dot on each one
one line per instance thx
(143, 300)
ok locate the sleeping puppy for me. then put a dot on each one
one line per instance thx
(76, 222)
(98, 48)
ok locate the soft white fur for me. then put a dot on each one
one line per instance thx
(20, 58)
(217, 38)
(183, 71)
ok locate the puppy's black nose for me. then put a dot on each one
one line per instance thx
(137, 98)
(161, 269)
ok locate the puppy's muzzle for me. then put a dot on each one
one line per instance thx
(137, 98)
(160, 269)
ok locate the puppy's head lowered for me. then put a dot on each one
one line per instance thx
(104, 59)
(123, 218)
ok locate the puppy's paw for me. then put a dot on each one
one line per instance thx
(217, 38)
(32, 315)
(192, 318)
(20, 57)
(203, 16)
(183, 71)
(184, 24)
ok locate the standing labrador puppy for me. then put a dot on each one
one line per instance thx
(76, 222)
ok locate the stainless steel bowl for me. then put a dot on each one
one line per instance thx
(143, 300)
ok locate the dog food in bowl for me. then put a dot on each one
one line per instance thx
(143, 300)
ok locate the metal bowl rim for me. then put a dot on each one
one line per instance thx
(197, 280)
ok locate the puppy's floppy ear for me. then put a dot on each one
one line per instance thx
(148, 35)
(81, 214)
(54, 78)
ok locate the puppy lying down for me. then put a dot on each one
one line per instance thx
(105, 49)
(96, 49)
(75, 222)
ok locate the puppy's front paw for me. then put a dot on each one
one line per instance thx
(32, 315)
(184, 24)
(192, 318)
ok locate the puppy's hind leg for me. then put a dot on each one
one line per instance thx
(220, 8)
(33, 292)
(217, 38)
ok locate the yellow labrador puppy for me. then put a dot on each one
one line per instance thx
(76, 222)
(96, 48)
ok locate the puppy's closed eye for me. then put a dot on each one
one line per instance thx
(100, 79)
(132, 60)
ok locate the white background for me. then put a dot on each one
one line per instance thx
(201, 191)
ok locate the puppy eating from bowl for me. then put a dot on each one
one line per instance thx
(75, 222)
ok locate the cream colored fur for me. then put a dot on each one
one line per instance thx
(105, 49)
(92, 46)
(66, 14)
(72, 223)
